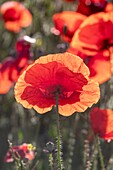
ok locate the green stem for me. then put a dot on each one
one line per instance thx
(36, 164)
(87, 161)
(100, 153)
(59, 142)
(51, 161)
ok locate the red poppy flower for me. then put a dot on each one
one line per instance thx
(67, 22)
(15, 16)
(24, 151)
(11, 67)
(9, 73)
(88, 7)
(93, 35)
(22, 59)
(102, 122)
(96, 64)
(64, 73)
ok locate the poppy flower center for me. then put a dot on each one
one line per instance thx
(106, 44)
(65, 29)
(11, 15)
(51, 92)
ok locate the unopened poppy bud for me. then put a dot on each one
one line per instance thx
(50, 147)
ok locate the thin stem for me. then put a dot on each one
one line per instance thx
(59, 143)
(72, 141)
(36, 164)
(57, 111)
(100, 153)
(87, 161)
(51, 161)
(93, 159)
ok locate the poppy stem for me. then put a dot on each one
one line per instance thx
(59, 141)
(100, 153)
(51, 161)
(57, 110)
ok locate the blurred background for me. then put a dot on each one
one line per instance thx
(21, 125)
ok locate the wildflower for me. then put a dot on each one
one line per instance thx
(66, 23)
(15, 16)
(12, 67)
(93, 39)
(102, 122)
(22, 151)
(65, 74)
(22, 59)
(93, 35)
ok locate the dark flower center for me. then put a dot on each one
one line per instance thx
(11, 15)
(51, 92)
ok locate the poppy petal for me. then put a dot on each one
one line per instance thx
(12, 27)
(26, 18)
(103, 117)
(5, 83)
(67, 22)
(96, 65)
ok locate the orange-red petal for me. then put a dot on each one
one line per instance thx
(100, 68)
(26, 18)
(5, 83)
(96, 64)
(102, 122)
(15, 27)
(109, 7)
(67, 22)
